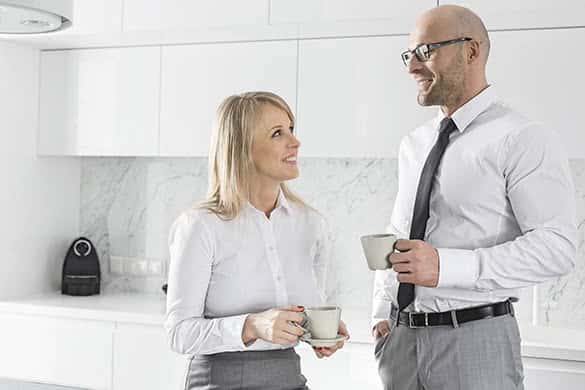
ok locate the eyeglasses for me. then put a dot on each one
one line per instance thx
(424, 50)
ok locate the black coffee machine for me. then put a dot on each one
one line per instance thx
(81, 269)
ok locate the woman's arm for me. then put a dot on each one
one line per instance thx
(192, 250)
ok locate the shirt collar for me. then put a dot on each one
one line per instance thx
(467, 113)
(281, 202)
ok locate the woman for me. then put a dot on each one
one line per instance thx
(246, 259)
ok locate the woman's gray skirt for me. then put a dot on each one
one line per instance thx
(250, 370)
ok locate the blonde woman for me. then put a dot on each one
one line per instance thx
(248, 258)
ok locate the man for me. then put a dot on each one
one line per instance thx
(486, 199)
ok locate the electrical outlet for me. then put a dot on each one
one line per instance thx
(135, 266)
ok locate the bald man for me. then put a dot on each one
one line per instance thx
(485, 207)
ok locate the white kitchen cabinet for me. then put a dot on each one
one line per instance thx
(95, 17)
(400, 15)
(44, 349)
(196, 78)
(99, 102)
(504, 14)
(356, 98)
(169, 15)
(545, 89)
(143, 359)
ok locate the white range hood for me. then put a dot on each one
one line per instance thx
(34, 16)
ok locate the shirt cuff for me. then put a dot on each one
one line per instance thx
(457, 268)
(381, 311)
(232, 330)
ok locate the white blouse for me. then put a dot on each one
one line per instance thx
(220, 271)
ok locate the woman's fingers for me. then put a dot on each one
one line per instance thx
(343, 329)
(293, 329)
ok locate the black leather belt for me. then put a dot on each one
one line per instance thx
(454, 317)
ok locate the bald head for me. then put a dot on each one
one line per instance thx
(450, 21)
(454, 70)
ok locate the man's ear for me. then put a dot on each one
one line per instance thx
(473, 51)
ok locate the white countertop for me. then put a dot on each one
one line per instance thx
(149, 309)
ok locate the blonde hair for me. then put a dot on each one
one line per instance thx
(230, 154)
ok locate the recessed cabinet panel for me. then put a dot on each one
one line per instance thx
(500, 14)
(145, 350)
(100, 102)
(68, 352)
(196, 78)
(548, 89)
(356, 98)
(170, 15)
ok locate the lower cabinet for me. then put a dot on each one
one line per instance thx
(87, 354)
(67, 352)
(143, 360)
(110, 355)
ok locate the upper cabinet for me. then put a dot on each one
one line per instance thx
(505, 14)
(399, 15)
(196, 78)
(99, 102)
(95, 17)
(169, 15)
(535, 72)
(356, 98)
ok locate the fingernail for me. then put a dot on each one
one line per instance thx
(300, 306)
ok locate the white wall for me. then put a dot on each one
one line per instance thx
(39, 199)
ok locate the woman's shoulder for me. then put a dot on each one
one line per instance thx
(193, 220)
(310, 215)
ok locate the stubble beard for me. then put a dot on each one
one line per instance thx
(447, 87)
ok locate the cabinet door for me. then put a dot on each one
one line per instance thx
(505, 14)
(100, 102)
(96, 17)
(169, 15)
(60, 351)
(196, 78)
(143, 360)
(400, 15)
(545, 374)
(356, 98)
(534, 72)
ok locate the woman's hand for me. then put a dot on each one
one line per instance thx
(274, 325)
(322, 352)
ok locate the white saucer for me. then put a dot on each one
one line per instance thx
(323, 342)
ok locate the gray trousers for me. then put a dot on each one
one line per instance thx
(476, 355)
(250, 370)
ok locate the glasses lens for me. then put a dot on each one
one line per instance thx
(406, 56)
(423, 53)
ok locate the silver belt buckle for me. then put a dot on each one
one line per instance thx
(411, 324)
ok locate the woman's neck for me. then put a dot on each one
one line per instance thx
(264, 197)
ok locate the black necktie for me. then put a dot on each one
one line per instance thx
(421, 204)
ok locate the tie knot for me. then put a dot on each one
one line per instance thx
(447, 126)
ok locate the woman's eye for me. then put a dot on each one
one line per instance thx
(276, 134)
(292, 130)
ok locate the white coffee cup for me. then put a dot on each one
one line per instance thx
(377, 247)
(323, 321)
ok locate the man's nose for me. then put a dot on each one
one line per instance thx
(413, 65)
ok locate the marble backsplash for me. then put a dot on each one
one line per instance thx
(128, 204)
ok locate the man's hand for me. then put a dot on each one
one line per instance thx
(381, 329)
(416, 262)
